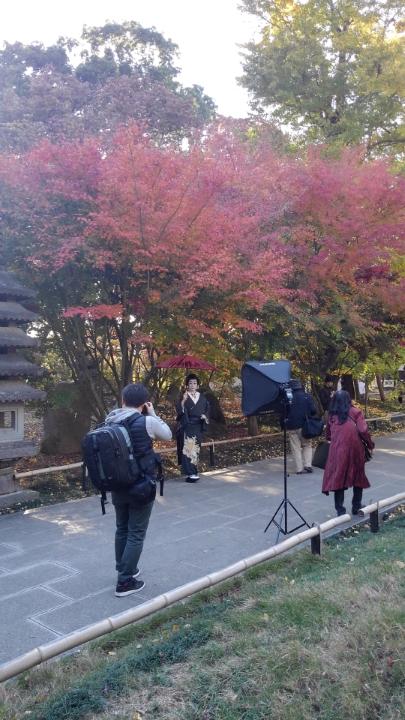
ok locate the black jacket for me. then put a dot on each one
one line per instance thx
(302, 406)
(325, 396)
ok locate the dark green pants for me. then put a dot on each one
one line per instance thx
(131, 525)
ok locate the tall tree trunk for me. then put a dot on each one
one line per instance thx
(366, 397)
(380, 386)
(253, 428)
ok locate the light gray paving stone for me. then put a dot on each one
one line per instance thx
(86, 610)
(18, 633)
(23, 637)
(28, 603)
(253, 507)
(186, 529)
(77, 586)
(161, 578)
(60, 552)
(253, 524)
(211, 546)
(202, 521)
(205, 505)
(9, 550)
(12, 583)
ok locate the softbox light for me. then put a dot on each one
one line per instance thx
(261, 384)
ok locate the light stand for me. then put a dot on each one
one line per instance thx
(283, 507)
(265, 385)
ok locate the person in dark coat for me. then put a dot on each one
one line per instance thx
(345, 467)
(325, 394)
(193, 417)
(302, 406)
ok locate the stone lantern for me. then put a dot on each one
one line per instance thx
(14, 390)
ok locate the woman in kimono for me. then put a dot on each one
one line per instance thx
(193, 416)
(347, 430)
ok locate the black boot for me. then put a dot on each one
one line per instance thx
(356, 500)
(339, 498)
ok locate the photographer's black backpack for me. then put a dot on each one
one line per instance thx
(111, 464)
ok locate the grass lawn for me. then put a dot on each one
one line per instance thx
(296, 639)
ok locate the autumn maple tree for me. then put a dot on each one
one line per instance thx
(344, 234)
(139, 250)
(224, 248)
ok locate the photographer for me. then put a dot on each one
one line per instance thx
(301, 407)
(132, 517)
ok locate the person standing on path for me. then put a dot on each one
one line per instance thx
(345, 467)
(193, 417)
(302, 406)
(325, 394)
(132, 517)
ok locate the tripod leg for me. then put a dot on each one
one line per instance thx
(283, 516)
(272, 519)
(298, 513)
(283, 526)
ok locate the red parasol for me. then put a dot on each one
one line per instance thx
(187, 362)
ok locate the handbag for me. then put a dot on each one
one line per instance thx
(321, 454)
(368, 455)
(312, 427)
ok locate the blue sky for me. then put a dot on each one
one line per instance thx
(208, 33)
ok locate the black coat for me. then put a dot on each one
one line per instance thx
(325, 396)
(302, 406)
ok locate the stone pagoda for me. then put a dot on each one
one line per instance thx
(14, 390)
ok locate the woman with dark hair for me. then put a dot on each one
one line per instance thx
(344, 469)
(193, 415)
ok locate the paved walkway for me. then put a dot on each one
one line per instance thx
(57, 566)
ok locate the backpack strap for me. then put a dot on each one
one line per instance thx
(160, 473)
(127, 435)
(103, 501)
(103, 498)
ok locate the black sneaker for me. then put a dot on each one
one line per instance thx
(356, 510)
(129, 587)
(136, 573)
(192, 479)
(308, 469)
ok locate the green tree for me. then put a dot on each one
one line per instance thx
(334, 70)
(126, 73)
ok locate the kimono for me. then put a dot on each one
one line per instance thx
(190, 432)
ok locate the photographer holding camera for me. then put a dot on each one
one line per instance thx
(132, 515)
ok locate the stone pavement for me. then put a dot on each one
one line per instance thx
(57, 566)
